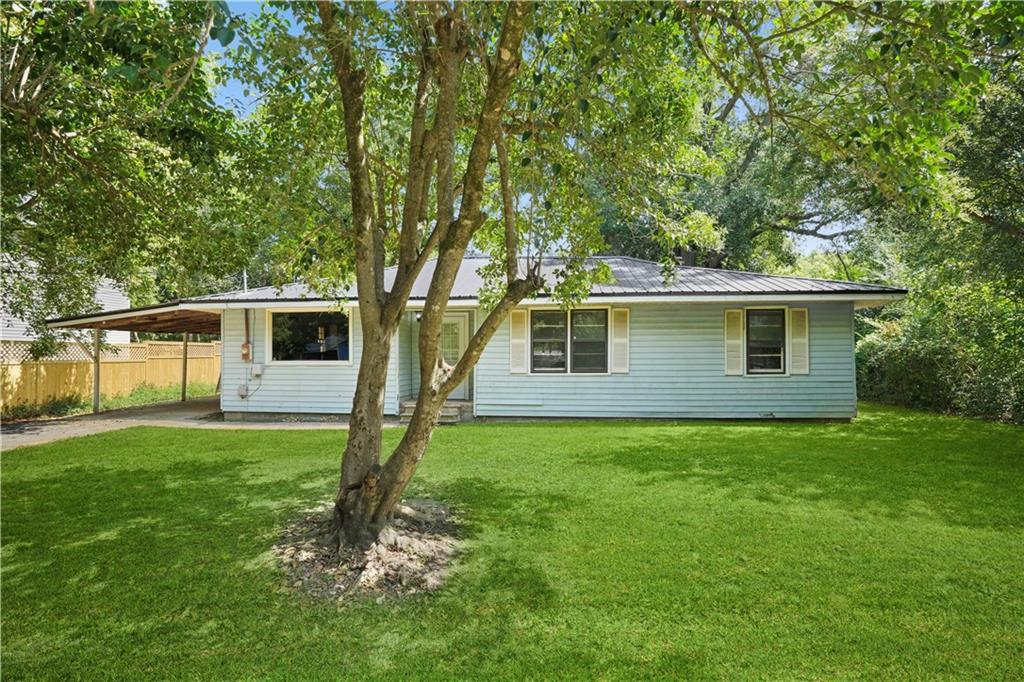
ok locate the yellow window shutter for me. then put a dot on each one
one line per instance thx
(799, 351)
(517, 342)
(734, 342)
(620, 341)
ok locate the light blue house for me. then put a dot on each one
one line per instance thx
(703, 344)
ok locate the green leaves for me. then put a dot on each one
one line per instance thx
(224, 35)
(129, 72)
(121, 149)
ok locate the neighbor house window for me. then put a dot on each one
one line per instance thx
(577, 342)
(766, 341)
(311, 336)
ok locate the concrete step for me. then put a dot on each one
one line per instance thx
(452, 412)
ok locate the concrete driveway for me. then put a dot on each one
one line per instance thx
(200, 413)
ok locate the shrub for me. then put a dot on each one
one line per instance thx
(962, 351)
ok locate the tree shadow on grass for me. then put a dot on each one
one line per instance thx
(134, 545)
(483, 502)
(502, 575)
(959, 471)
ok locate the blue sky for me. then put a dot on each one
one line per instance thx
(232, 94)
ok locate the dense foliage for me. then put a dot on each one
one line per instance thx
(116, 162)
(957, 342)
(948, 223)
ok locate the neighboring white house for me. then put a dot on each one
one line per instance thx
(705, 343)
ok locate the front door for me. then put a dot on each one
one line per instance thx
(454, 337)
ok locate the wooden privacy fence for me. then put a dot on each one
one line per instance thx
(122, 369)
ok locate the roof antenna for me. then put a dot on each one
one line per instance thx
(245, 280)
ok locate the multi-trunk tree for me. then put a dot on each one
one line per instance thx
(447, 127)
(465, 126)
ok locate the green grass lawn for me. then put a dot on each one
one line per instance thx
(890, 547)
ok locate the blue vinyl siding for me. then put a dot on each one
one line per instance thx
(283, 388)
(677, 369)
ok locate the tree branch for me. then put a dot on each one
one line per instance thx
(452, 245)
(414, 185)
(508, 211)
(518, 289)
(439, 148)
(369, 244)
(204, 37)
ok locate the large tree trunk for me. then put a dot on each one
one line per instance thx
(356, 501)
(368, 492)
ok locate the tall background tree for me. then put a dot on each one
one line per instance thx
(957, 342)
(914, 178)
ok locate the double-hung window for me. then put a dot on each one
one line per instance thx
(575, 343)
(589, 341)
(766, 341)
(309, 337)
(549, 341)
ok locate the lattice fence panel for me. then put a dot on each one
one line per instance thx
(13, 353)
(17, 352)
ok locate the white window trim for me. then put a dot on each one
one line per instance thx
(269, 338)
(568, 342)
(785, 351)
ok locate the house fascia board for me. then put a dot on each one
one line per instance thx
(859, 300)
(865, 299)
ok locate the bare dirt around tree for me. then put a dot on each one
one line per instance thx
(413, 554)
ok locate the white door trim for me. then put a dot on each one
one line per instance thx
(461, 392)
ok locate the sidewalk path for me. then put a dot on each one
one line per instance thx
(200, 413)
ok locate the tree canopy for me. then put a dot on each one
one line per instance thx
(116, 162)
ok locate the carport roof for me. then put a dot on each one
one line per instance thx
(172, 317)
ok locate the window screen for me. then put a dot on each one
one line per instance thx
(766, 341)
(548, 341)
(590, 341)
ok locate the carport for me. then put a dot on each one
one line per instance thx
(175, 317)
